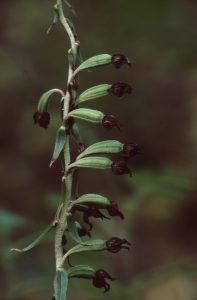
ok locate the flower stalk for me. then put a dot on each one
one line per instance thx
(93, 156)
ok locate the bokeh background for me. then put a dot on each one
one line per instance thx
(159, 202)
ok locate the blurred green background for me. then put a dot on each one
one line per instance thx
(159, 202)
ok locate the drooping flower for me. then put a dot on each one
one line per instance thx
(42, 118)
(115, 244)
(118, 60)
(99, 280)
(119, 89)
(109, 121)
(119, 167)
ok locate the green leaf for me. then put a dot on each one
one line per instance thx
(94, 92)
(73, 230)
(92, 199)
(92, 162)
(81, 270)
(34, 243)
(60, 284)
(59, 144)
(108, 146)
(95, 61)
(55, 19)
(91, 115)
(43, 102)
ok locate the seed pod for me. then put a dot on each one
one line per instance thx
(94, 92)
(118, 60)
(115, 244)
(119, 89)
(109, 121)
(130, 150)
(119, 167)
(87, 114)
(42, 118)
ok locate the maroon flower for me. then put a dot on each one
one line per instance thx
(42, 118)
(130, 150)
(92, 212)
(119, 89)
(84, 231)
(99, 281)
(119, 167)
(115, 244)
(109, 121)
(118, 60)
(113, 210)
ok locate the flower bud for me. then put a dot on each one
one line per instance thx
(42, 118)
(119, 167)
(119, 89)
(115, 244)
(113, 210)
(109, 121)
(130, 150)
(118, 60)
(99, 281)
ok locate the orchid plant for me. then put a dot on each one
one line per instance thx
(93, 156)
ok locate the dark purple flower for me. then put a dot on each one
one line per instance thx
(109, 121)
(99, 280)
(119, 167)
(84, 231)
(113, 210)
(92, 212)
(118, 60)
(119, 89)
(130, 150)
(42, 118)
(115, 244)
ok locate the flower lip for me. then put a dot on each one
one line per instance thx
(99, 281)
(118, 60)
(42, 118)
(113, 210)
(119, 167)
(130, 150)
(110, 121)
(119, 89)
(115, 244)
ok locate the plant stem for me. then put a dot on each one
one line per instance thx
(67, 180)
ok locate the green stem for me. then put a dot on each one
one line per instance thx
(67, 181)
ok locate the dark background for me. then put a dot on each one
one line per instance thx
(159, 202)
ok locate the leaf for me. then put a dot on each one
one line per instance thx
(81, 270)
(55, 19)
(95, 61)
(60, 284)
(108, 146)
(94, 92)
(92, 199)
(91, 115)
(43, 102)
(92, 162)
(59, 144)
(73, 230)
(36, 241)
